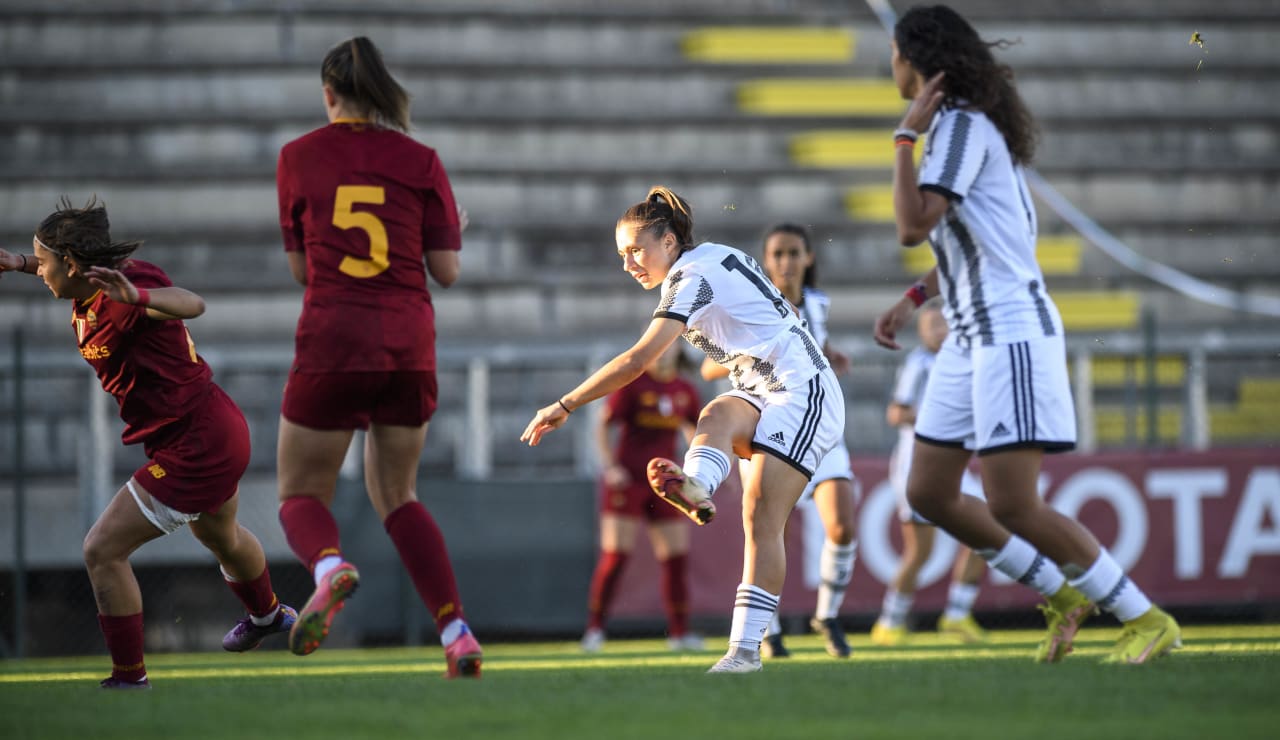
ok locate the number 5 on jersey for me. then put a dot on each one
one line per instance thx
(345, 218)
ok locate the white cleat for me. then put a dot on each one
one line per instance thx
(592, 641)
(737, 660)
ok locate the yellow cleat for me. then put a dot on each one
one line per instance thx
(1146, 638)
(888, 636)
(965, 629)
(1066, 611)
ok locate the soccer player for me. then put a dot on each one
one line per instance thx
(362, 207)
(917, 532)
(784, 413)
(999, 386)
(128, 321)
(789, 264)
(648, 413)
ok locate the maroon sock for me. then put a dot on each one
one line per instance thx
(608, 571)
(124, 642)
(256, 595)
(422, 550)
(309, 528)
(675, 593)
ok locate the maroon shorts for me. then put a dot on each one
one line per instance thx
(195, 464)
(354, 400)
(638, 500)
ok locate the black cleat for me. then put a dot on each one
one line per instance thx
(772, 647)
(837, 646)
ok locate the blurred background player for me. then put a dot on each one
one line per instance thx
(832, 493)
(127, 317)
(999, 387)
(785, 412)
(649, 414)
(917, 532)
(362, 206)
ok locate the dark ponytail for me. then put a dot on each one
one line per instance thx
(810, 272)
(84, 235)
(355, 72)
(662, 211)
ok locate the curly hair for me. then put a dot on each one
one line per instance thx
(936, 39)
(83, 234)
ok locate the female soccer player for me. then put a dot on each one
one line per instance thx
(362, 206)
(917, 532)
(127, 317)
(789, 264)
(784, 413)
(649, 413)
(999, 386)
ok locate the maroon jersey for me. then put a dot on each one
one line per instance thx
(150, 367)
(364, 203)
(650, 412)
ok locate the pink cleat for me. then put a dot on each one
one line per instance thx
(463, 656)
(673, 486)
(325, 603)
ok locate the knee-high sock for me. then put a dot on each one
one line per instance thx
(753, 609)
(309, 528)
(1107, 586)
(422, 550)
(707, 465)
(1024, 564)
(256, 595)
(675, 594)
(124, 642)
(895, 608)
(603, 582)
(836, 568)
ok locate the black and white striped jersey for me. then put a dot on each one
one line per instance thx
(815, 309)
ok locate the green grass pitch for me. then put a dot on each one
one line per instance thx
(1224, 682)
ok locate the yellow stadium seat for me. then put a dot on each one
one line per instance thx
(1260, 391)
(870, 203)
(821, 97)
(1058, 255)
(1112, 425)
(1112, 371)
(1098, 310)
(843, 149)
(769, 45)
(1245, 422)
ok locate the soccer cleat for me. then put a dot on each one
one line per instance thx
(830, 629)
(772, 647)
(116, 684)
(592, 640)
(313, 622)
(463, 656)
(246, 635)
(1066, 611)
(670, 483)
(886, 636)
(687, 641)
(737, 660)
(1146, 638)
(965, 629)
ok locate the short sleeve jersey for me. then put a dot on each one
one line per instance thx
(364, 204)
(991, 284)
(909, 387)
(650, 412)
(815, 309)
(149, 366)
(739, 319)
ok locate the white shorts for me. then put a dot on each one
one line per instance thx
(835, 465)
(1000, 397)
(166, 519)
(799, 426)
(899, 471)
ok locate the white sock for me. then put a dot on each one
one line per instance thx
(775, 626)
(452, 631)
(960, 600)
(753, 609)
(707, 465)
(1021, 562)
(325, 566)
(895, 608)
(835, 566)
(1108, 587)
(267, 619)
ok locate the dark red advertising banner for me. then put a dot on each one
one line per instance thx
(1189, 527)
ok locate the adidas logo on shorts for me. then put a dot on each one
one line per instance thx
(777, 437)
(1000, 431)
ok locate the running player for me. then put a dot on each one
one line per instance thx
(917, 532)
(362, 206)
(789, 264)
(128, 320)
(784, 413)
(999, 386)
(648, 413)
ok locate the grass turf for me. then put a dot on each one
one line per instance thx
(1222, 683)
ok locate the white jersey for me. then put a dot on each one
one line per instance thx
(985, 243)
(815, 309)
(740, 320)
(909, 388)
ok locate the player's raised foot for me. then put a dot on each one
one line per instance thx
(592, 640)
(1146, 638)
(246, 635)
(313, 622)
(688, 641)
(965, 629)
(116, 684)
(463, 656)
(886, 636)
(773, 647)
(833, 634)
(737, 660)
(1066, 611)
(673, 486)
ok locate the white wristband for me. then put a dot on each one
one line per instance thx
(906, 133)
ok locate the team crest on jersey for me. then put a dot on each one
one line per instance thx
(156, 471)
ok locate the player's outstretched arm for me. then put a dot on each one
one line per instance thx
(162, 303)
(10, 262)
(888, 324)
